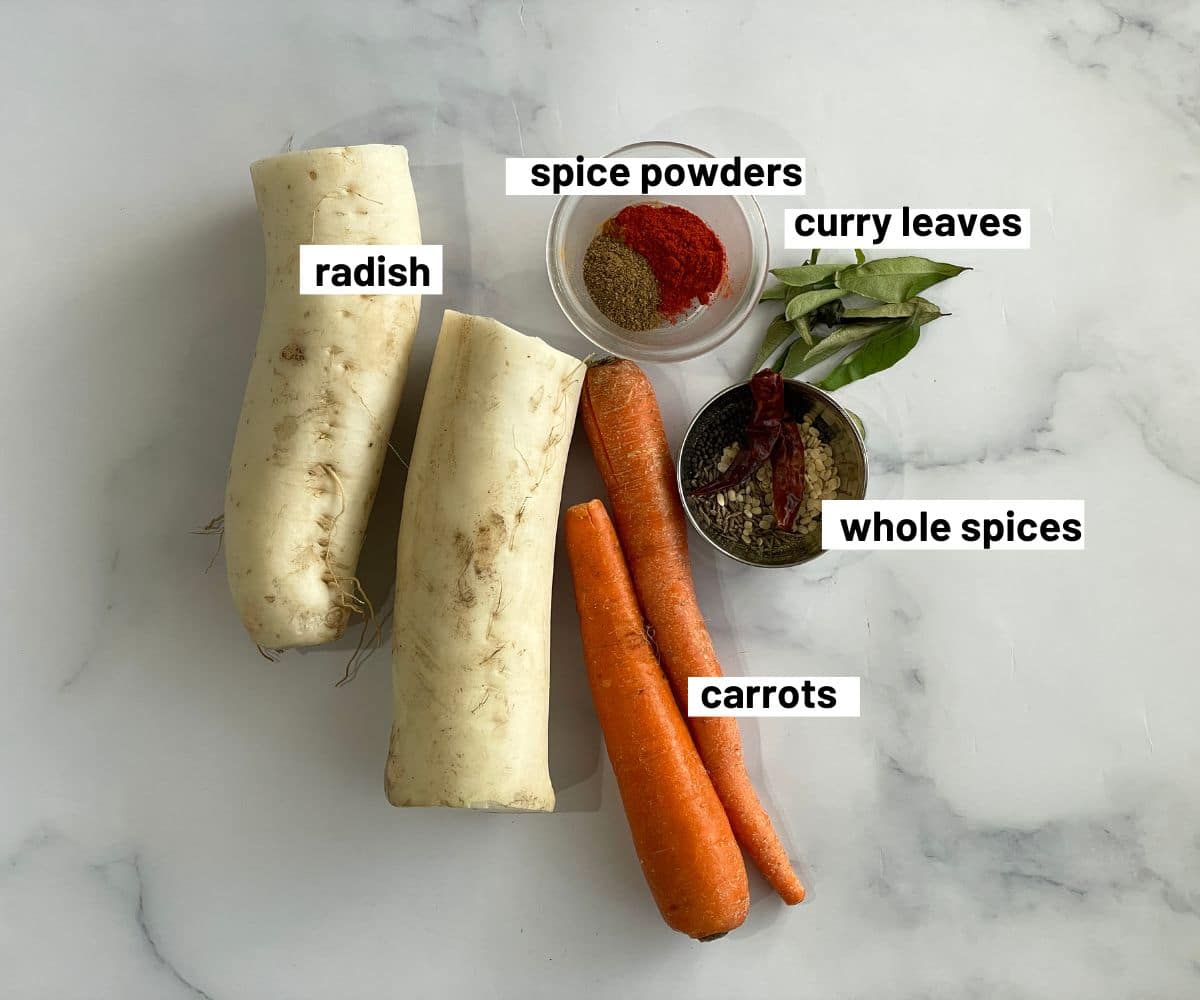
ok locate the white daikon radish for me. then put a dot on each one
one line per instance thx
(471, 646)
(322, 396)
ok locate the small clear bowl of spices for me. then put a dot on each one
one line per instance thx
(741, 520)
(657, 281)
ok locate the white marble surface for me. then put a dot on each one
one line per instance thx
(1014, 816)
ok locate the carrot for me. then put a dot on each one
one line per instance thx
(623, 424)
(687, 850)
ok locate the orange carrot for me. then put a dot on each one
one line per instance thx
(623, 424)
(687, 850)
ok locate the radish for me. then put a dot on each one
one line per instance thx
(475, 558)
(322, 395)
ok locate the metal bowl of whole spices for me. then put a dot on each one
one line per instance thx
(653, 280)
(734, 496)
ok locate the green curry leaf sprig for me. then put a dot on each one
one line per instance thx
(816, 323)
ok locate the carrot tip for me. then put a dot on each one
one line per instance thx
(791, 891)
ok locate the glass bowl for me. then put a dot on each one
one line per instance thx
(737, 221)
(721, 422)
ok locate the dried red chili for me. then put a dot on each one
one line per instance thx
(787, 471)
(762, 433)
(686, 256)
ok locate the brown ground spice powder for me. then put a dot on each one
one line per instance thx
(622, 285)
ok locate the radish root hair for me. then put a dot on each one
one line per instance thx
(214, 527)
(378, 426)
(365, 650)
(350, 593)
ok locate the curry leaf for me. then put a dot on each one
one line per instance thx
(802, 357)
(807, 301)
(859, 257)
(801, 325)
(895, 310)
(774, 293)
(807, 275)
(862, 428)
(813, 255)
(778, 333)
(845, 336)
(882, 351)
(793, 361)
(895, 279)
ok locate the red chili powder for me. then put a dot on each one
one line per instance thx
(685, 255)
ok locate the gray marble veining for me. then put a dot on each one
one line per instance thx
(1015, 815)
